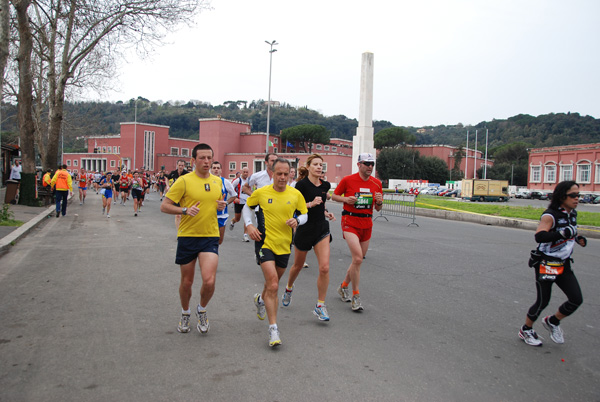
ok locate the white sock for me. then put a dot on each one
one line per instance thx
(273, 326)
(188, 311)
(200, 308)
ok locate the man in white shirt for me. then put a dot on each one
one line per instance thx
(238, 185)
(229, 196)
(262, 178)
(15, 171)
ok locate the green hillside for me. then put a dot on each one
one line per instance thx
(103, 118)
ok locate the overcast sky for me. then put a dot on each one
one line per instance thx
(436, 61)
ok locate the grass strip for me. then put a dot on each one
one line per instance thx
(501, 209)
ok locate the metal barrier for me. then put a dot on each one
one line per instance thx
(402, 205)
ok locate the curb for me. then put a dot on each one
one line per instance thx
(7, 241)
(21, 231)
(588, 231)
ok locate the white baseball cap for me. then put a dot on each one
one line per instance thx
(366, 157)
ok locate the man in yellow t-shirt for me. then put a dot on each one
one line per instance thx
(199, 197)
(278, 204)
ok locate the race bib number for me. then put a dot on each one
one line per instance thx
(364, 199)
(551, 268)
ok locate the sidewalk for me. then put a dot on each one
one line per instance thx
(30, 216)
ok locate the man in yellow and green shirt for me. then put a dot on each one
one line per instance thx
(278, 204)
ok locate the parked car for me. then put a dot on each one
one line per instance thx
(539, 195)
(596, 200)
(440, 190)
(586, 198)
(523, 194)
(453, 193)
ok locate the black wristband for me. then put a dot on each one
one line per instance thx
(547, 237)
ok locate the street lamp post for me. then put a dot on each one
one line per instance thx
(273, 43)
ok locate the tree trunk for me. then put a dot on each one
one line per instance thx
(4, 40)
(25, 100)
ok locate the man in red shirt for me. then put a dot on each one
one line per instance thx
(360, 193)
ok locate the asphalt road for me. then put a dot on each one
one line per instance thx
(89, 308)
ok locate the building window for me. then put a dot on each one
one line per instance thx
(583, 173)
(109, 149)
(275, 140)
(244, 164)
(334, 149)
(326, 148)
(174, 151)
(275, 150)
(536, 174)
(566, 172)
(231, 177)
(149, 149)
(103, 150)
(75, 162)
(319, 147)
(324, 167)
(68, 162)
(185, 152)
(119, 151)
(113, 164)
(231, 165)
(550, 174)
(597, 173)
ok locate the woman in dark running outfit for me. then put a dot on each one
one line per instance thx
(556, 235)
(314, 233)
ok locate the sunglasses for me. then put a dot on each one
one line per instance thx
(573, 195)
(368, 163)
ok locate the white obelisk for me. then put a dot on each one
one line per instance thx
(363, 140)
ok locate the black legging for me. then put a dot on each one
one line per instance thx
(567, 282)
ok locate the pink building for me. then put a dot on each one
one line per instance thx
(472, 161)
(235, 146)
(139, 145)
(549, 166)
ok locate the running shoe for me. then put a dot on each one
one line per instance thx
(286, 297)
(356, 304)
(203, 324)
(135, 214)
(57, 214)
(305, 265)
(107, 215)
(274, 339)
(103, 211)
(231, 225)
(321, 313)
(81, 203)
(344, 293)
(246, 238)
(529, 337)
(556, 333)
(261, 311)
(184, 323)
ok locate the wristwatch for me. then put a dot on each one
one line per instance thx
(298, 220)
(184, 211)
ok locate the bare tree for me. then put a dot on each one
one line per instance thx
(25, 101)
(79, 41)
